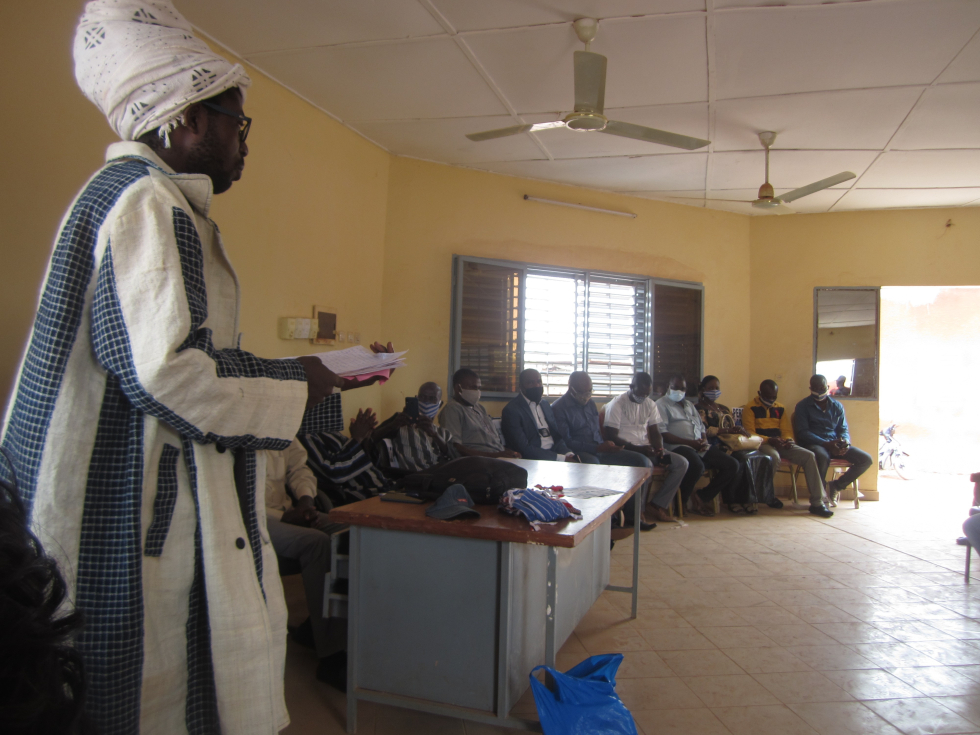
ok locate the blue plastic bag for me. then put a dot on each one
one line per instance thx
(584, 700)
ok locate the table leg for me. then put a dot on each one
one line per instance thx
(637, 517)
(550, 632)
(352, 616)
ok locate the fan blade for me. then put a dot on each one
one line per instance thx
(782, 209)
(818, 186)
(650, 135)
(515, 130)
(590, 82)
(706, 199)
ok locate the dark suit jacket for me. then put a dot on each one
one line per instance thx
(521, 430)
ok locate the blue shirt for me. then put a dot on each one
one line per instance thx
(811, 425)
(578, 424)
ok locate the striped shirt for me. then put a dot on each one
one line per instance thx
(413, 450)
(343, 469)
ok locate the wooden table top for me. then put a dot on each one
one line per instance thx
(492, 525)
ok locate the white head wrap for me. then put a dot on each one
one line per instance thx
(139, 63)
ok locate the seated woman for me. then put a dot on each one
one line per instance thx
(739, 496)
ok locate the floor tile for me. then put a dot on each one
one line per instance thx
(766, 660)
(831, 658)
(656, 619)
(952, 653)
(737, 637)
(711, 662)
(907, 631)
(643, 664)
(965, 706)
(737, 690)
(656, 693)
(843, 718)
(675, 639)
(709, 617)
(821, 614)
(938, 681)
(921, 716)
(763, 616)
(802, 686)
(871, 684)
(613, 640)
(766, 720)
(680, 722)
(797, 635)
(858, 632)
(888, 655)
(397, 721)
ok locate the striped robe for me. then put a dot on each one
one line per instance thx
(133, 413)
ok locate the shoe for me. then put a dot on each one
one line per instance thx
(775, 503)
(732, 508)
(963, 541)
(644, 526)
(302, 633)
(701, 507)
(661, 514)
(750, 509)
(332, 670)
(821, 510)
(833, 494)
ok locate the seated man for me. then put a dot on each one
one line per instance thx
(529, 425)
(467, 421)
(840, 389)
(769, 419)
(343, 467)
(820, 426)
(299, 531)
(404, 444)
(632, 434)
(684, 434)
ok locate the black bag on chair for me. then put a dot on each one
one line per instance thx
(485, 479)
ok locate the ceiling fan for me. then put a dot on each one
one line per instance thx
(767, 200)
(590, 93)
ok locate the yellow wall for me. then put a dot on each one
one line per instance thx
(793, 255)
(437, 211)
(845, 343)
(304, 226)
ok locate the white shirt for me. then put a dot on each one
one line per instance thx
(632, 419)
(287, 467)
(547, 442)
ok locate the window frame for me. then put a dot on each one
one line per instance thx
(456, 312)
(816, 328)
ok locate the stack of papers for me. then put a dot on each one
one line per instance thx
(361, 363)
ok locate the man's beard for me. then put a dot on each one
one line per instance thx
(204, 158)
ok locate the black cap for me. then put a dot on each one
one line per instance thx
(455, 502)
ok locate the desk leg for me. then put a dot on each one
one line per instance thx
(550, 632)
(637, 517)
(354, 563)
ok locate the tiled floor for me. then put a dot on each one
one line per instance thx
(780, 623)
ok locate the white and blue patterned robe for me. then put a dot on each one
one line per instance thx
(133, 412)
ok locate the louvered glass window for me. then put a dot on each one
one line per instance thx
(512, 316)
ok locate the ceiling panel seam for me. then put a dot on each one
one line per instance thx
(905, 120)
(480, 69)
(709, 42)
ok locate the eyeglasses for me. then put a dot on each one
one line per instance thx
(245, 123)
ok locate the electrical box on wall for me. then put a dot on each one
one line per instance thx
(320, 330)
(295, 328)
(324, 325)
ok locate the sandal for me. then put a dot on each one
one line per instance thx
(732, 508)
(701, 507)
(750, 510)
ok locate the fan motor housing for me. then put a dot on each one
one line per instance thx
(585, 121)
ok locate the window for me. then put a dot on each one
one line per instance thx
(512, 316)
(845, 340)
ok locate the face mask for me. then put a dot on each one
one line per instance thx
(581, 398)
(429, 410)
(472, 397)
(635, 398)
(764, 402)
(819, 396)
(712, 395)
(533, 394)
(676, 395)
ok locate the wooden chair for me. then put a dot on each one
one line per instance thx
(837, 467)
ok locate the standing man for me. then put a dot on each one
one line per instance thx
(684, 434)
(821, 427)
(632, 429)
(529, 424)
(136, 419)
(472, 429)
(769, 419)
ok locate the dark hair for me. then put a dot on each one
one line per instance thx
(705, 380)
(462, 374)
(676, 376)
(771, 383)
(642, 377)
(42, 683)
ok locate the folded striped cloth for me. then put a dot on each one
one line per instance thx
(538, 506)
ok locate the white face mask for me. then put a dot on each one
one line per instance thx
(676, 395)
(470, 396)
(819, 396)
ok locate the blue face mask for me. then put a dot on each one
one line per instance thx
(712, 395)
(676, 395)
(429, 410)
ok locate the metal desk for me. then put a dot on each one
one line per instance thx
(450, 617)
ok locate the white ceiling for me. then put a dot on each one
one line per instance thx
(888, 89)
